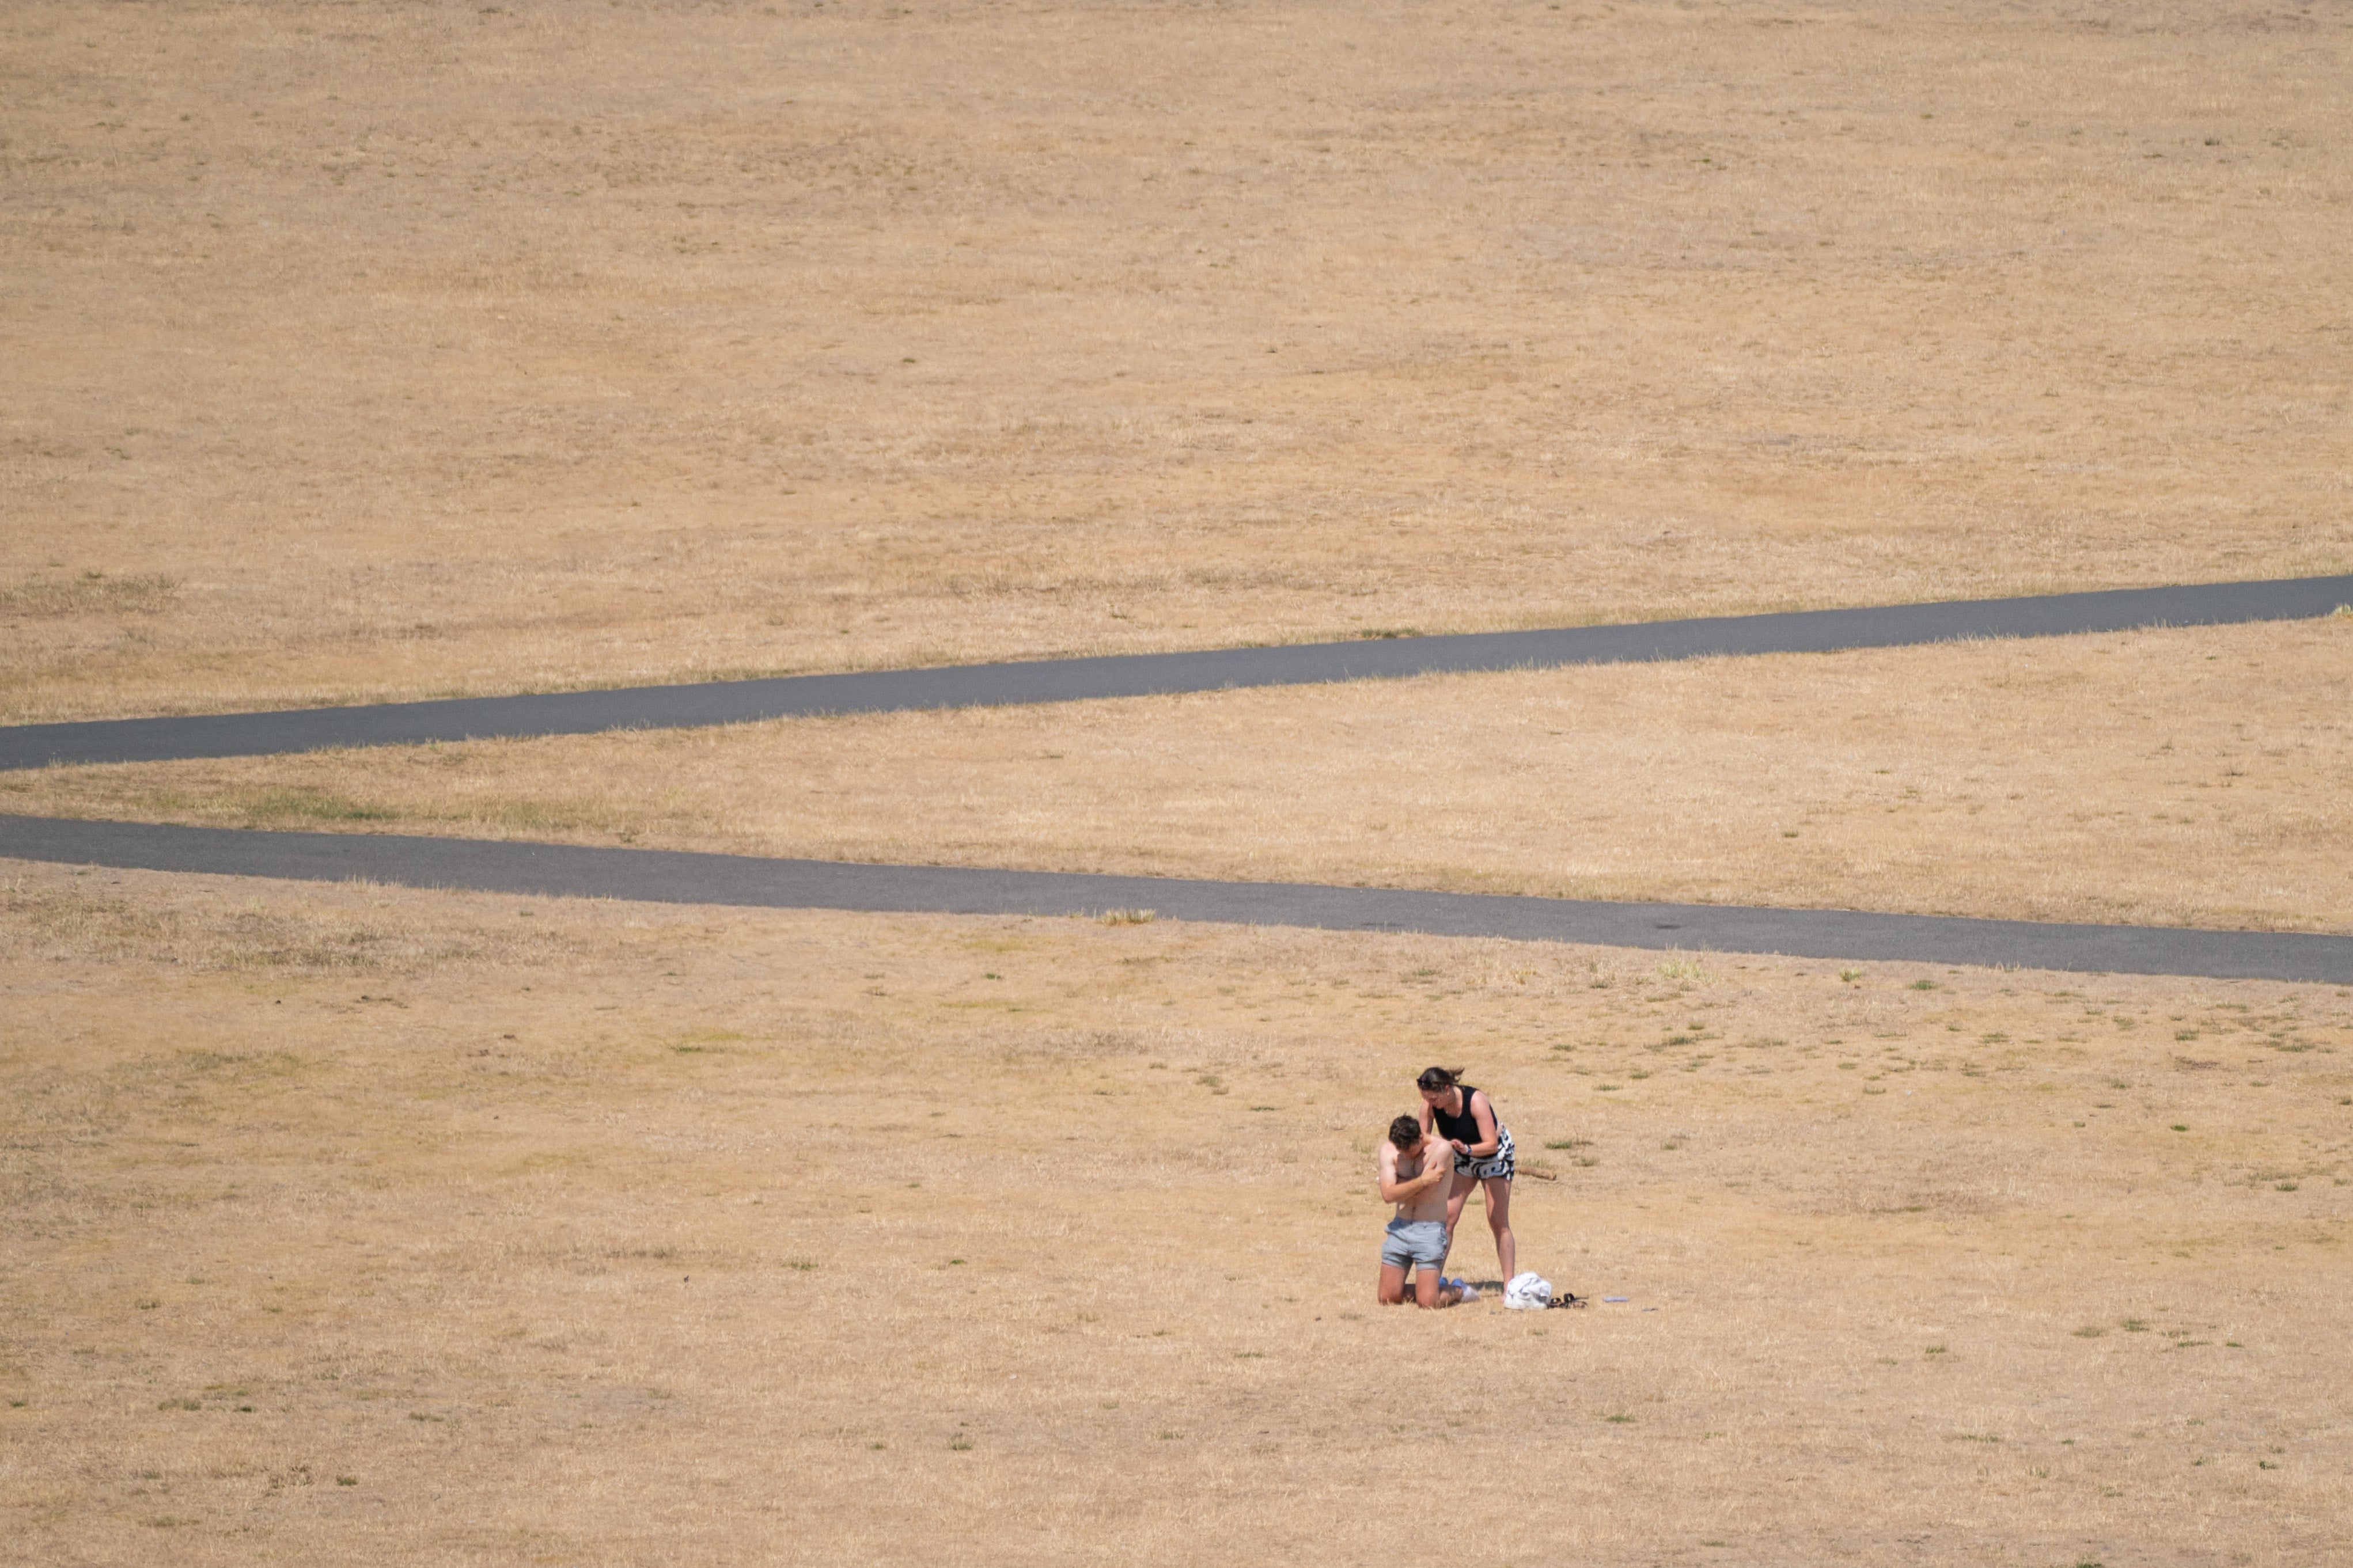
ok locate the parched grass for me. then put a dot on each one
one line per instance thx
(2198, 776)
(676, 342)
(349, 1224)
(92, 591)
(451, 1253)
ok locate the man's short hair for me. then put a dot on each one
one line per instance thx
(1405, 1132)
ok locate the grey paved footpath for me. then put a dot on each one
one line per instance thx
(1157, 674)
(661, 876)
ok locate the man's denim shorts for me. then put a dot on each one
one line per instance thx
(1416, 1241)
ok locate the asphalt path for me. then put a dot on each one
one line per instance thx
(1157, 674)
(663, 876)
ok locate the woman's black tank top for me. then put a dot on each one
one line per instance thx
(1465, 1126)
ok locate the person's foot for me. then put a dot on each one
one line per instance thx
(1469, 1291)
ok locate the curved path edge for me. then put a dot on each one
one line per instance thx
(666, 875)
(1158, 674)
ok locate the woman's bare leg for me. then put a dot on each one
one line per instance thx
(1499, 1220)
(1454, 1202)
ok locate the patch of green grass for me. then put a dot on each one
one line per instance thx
(313, 804)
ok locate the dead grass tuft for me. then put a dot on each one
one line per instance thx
(349, 930)
(91, 593)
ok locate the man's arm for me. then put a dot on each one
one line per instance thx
(1391, 1188)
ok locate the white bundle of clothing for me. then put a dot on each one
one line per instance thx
(1529, 1292)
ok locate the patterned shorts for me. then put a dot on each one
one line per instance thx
(1498, 1163)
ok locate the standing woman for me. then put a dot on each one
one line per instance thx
(1466, 1118)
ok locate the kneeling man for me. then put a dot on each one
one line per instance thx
(1417, 1173)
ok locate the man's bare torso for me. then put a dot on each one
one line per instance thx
(1431, 1202)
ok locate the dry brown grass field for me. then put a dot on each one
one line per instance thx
(390, 349)
(360, 1226)
(366, 349)
(2201, 777)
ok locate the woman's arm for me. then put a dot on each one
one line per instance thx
(1483, 1111)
